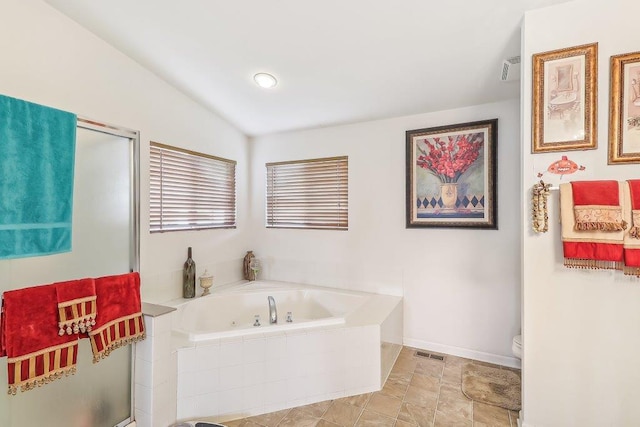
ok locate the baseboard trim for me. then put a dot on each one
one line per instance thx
(512, 362)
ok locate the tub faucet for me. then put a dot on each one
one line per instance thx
(273, 313)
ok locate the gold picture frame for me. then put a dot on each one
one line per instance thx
(565, 91)
(624, 108)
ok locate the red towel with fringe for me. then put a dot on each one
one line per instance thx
(119, 320)
(632, 239)
(3, 347)
(592, 224)
(76, 306)
(36, 354)
(596, 206)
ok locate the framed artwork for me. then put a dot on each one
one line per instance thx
(624, 106)
(564, 99)
(451, 176)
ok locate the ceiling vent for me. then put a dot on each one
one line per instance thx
(510, 69)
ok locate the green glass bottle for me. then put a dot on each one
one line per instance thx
(189, 277)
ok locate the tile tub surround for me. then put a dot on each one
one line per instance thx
(232, 377)
(154, 363)
(419, 392)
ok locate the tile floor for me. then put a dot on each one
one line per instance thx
(419, 392)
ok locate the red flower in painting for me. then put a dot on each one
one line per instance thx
(448, 158)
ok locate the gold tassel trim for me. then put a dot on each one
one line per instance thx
(601, 226)
(75, 326)
(117, 344)
(631, 271)
(593, 264)
(599, 218)
(31, 384)
(635, 230)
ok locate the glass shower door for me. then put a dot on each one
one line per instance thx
(98, 394)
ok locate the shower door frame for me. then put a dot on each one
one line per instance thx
(134, 232)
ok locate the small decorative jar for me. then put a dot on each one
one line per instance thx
(206, 281)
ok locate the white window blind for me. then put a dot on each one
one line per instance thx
(308, 194)
(190, 190)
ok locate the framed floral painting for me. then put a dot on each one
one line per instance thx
(564, 99)
(451, 176)
(624, 107)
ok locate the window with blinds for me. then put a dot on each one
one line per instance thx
(190, 190)
(308, 194)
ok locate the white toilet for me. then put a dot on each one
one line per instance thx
(516, 347)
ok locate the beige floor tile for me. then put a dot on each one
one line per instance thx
(400, 377)
(271, 419)
(452, 391)
(373, 419)
(490, 415)
(452, 375)
(419, 392)
(297, 418)
(316, 409)
(342, 414)
(405, 365)
(419, 397)
(417, 415)
(455, 361)
(325, 423)
(359, 400)
(428, 384)
(384, 404)
(405, 356)
(242, 423)
(449, 420)
(513, 415)
(398, 382)
(407, 352)
(453, 402)
(457, 407)
(430, 367)
(395, 389)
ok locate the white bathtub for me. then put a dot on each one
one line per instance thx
(232, 313)
(340, 343)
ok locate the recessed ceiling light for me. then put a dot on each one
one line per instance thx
(265, 80)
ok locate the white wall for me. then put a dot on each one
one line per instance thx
(581, 336)
(461, 286)
(49, 59)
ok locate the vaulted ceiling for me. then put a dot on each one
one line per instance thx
(337, 61)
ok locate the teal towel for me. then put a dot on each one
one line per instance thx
(37, 153)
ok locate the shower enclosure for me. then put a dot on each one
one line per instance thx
(105, 242)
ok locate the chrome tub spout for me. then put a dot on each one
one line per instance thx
(273, 313)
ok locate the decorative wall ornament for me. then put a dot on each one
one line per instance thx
(564, 166)
(451, 176)
(564, 99)
(624, 119)
(540, 194)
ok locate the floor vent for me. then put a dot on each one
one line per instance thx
(429, 355)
